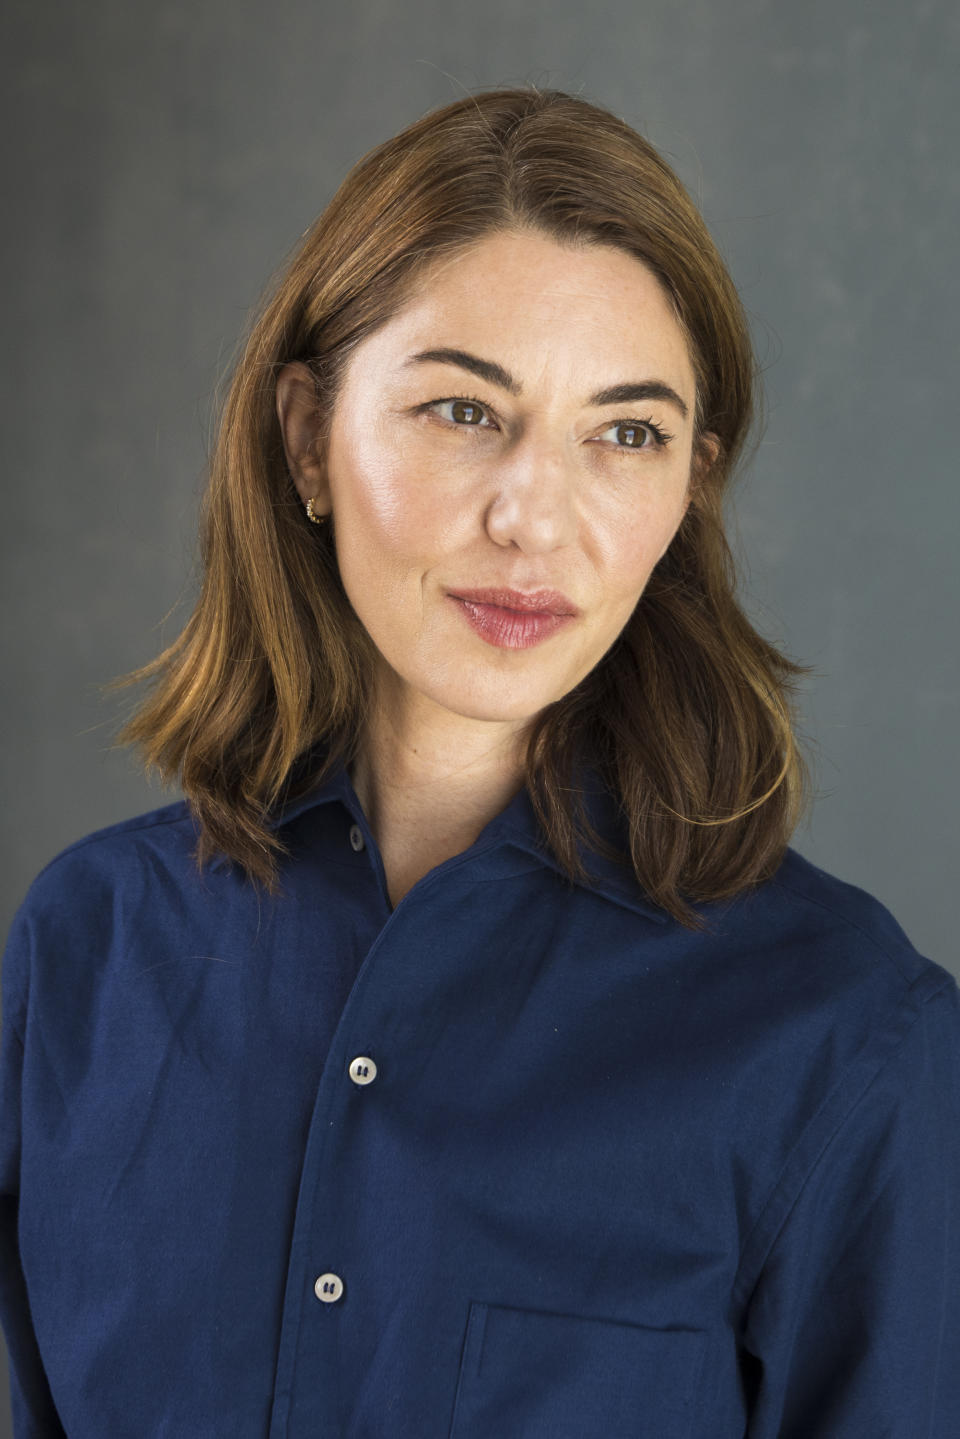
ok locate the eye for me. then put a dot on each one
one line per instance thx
(464, 411)
(638, 435)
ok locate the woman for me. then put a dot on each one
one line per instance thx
(468, 1054)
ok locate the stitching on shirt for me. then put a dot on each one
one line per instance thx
(737, 1289)
(108, 832)
(851, 923)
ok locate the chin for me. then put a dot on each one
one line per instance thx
(493, 703)
(485, 690)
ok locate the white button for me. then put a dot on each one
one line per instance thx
(363, 1070)
(328, 1287)
(356, 837)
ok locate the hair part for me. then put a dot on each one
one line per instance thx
(688, 715)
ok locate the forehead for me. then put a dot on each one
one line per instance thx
(588, 313)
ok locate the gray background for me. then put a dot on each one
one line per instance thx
(164, 158)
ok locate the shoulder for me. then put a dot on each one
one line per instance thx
(815, 920)
(80, 895)
(817, 978)
(842, 911)
(866, 1042)
(114, 853)
(834, 991)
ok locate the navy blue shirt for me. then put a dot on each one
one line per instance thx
(515, 1159)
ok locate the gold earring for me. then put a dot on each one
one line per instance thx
(317, 519)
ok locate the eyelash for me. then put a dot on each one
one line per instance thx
(660, 436)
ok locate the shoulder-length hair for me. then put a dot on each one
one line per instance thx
(687, 716)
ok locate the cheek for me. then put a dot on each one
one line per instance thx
(633, 542)
(369, 501)
(372, 520)
(390, 506)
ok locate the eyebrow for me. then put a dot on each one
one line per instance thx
(495, 374)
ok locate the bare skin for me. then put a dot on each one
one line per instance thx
(442, 479)
(423, 799)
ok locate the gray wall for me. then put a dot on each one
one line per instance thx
(163, 159)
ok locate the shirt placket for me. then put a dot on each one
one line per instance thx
(309, 1368)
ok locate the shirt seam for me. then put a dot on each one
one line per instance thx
(102, 836)
(851, 923)
(743, 1283)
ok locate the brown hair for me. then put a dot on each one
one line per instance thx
(688, 715)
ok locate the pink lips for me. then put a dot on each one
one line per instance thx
(513, 620)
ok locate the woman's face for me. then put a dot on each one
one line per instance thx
(498, 505)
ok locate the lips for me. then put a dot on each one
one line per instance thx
(513, 619)
(549, 602)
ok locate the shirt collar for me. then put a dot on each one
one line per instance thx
(612, 878)
(517, 824)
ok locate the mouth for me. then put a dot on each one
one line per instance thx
(550, 602)
(512, 619)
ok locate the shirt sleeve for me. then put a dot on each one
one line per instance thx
(33, 1410)
(853, 1325)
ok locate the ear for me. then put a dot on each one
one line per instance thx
(706, 453)
(297, 412)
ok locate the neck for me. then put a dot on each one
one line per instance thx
(429, 781)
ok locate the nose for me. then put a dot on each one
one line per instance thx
(533, 505)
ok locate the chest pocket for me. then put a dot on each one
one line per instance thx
(530, 1375)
